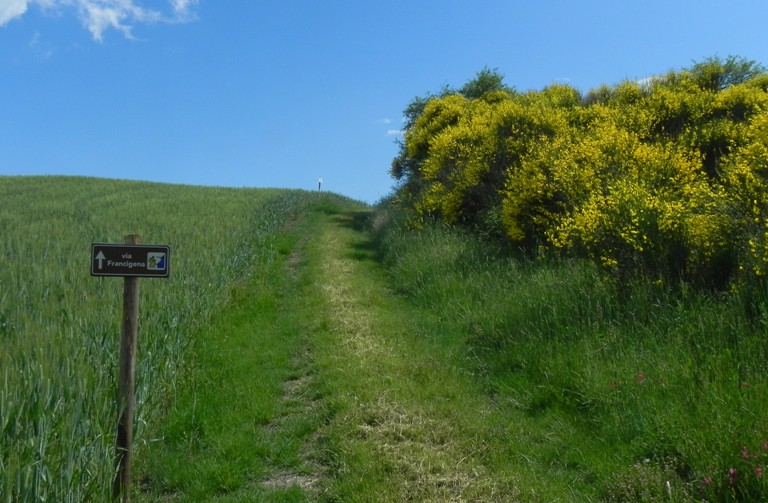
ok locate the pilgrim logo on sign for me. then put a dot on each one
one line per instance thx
(156, 261)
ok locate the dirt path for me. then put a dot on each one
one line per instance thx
(407, 422)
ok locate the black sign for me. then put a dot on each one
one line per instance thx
(151, 261)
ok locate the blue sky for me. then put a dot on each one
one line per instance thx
(279, 93)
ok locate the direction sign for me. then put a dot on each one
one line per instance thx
(148, 261)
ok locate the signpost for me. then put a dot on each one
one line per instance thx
(131, 261)
(148, 261)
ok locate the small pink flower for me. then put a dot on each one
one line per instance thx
(765, 446)
(707, 481)
(733, 474)
(758, 472)
(744, 453)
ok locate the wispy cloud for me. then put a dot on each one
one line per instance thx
(41, 49)
(395, 132)
(11, 9)
(183, 8)
(98, 16)
(649, 81)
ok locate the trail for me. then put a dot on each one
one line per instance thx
(405, 423)
(317, 382)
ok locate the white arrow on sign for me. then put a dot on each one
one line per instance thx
(100, 257)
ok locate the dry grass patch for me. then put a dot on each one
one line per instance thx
(428, 456)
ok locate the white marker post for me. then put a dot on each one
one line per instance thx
(319, 184)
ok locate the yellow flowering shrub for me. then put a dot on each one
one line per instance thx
(746, 183)
(656, 216)
(470, 149)
(438, 114)
(628, 93)
(674, 102)
(554, 96)
(456, 157)
(603, 192)
(740, 103)
(517, 128)
(665, 177)
(556, 176)
(455, 163)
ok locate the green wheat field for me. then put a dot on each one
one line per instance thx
(59, 327)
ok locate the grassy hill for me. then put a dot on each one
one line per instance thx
(310, 348)
(59, 327)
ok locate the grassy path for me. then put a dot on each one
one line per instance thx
(407, 422)
(315, 383)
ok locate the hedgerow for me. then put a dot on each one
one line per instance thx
(665, 178)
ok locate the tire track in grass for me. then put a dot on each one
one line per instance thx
(242, 424)
(301, 405)
(407, 423)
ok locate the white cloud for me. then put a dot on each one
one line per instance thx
(98, 19)
(98, 16)
(649, 81)
(182, 8)
(11, 9)
(41, 49)
(394, 132)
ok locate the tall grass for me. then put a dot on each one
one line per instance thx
(245, 419)
(664, 392)
(59, 327)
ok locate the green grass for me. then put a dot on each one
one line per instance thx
(245, 419)
(297, 355)
(238, 426)
(59, 326)
(352, 403)
(403, 413)
(613, 397)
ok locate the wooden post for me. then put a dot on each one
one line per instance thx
(126, 392)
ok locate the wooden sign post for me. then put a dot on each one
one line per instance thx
(126, 389)
(131, 261)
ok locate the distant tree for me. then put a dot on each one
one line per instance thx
(602, 95)
(715, 74)
(414, 109)
(486, 81)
